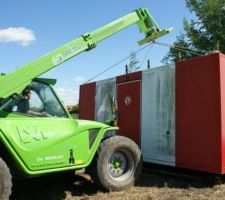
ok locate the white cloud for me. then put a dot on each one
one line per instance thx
(68, 95)
(20, 35)
(79, 79)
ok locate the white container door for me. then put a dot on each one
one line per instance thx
(158, 115)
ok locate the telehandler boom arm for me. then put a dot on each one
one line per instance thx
(15, 82)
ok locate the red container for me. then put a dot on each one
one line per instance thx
(200, 114)
(197, 141)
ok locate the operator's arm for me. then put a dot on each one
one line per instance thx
(37, 114)
(24, 107)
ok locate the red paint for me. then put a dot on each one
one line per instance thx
(87, 101)
(222, 85)
(128, 99)
(130, 77)
(198, 114)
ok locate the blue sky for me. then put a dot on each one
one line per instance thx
(49, 24)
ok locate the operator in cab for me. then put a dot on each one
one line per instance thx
(23, 105)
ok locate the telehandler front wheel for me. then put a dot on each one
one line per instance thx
(118, 164)
(5, 181)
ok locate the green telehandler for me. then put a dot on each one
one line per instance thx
(37, 134)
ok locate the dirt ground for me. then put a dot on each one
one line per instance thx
(152, 186)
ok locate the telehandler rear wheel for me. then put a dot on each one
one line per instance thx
(118, 164)
(5, 181)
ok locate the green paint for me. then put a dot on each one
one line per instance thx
(117, 164)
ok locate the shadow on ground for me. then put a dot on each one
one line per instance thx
(53, 188)
(61, 187)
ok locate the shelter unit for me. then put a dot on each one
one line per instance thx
(175, 113)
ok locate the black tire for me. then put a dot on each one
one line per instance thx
(5, 181)
(117, 165)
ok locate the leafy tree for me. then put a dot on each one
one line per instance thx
(178, 50)
(201, 36)
(133, 65)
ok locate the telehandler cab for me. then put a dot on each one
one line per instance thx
(37, 134)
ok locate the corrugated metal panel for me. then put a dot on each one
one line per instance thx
(87, 101)
(105, 92)
(198, 114)
(158, 115)
(222, 87)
